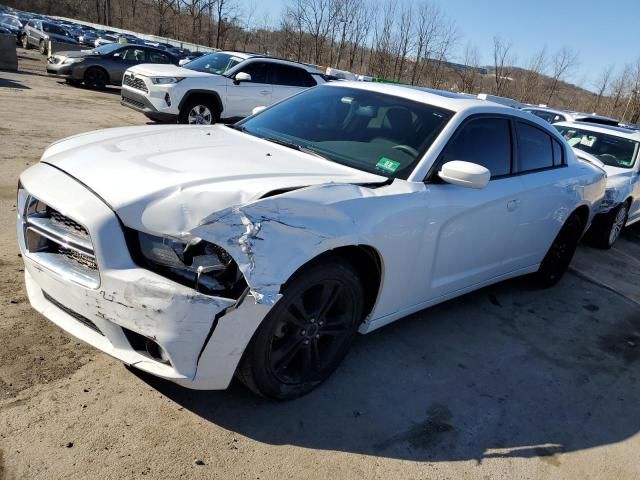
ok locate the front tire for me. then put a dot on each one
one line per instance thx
(199, 111)
(556, 261)
(95, 78)
(308, 332)
(606, 229)
(42, 46)
(25, 42)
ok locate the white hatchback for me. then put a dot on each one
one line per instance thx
(260, 249)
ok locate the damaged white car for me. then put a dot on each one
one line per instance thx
(616, 150)
(261, 249)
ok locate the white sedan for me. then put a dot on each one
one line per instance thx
(261, 249)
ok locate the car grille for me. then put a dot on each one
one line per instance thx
(82, 319)
(133, 102)
(59, 243)
(137, 83)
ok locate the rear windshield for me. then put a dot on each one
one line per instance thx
(108, 48)
(609, 149)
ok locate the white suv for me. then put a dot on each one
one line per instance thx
(618, 149)
(221, 85)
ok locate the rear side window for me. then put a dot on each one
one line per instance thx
(291, 76)
(485, 141)
(558, 153)
(534, 148)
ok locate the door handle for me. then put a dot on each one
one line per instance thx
(513, 205)
(265, 92)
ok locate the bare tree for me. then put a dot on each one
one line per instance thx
(503, 60)
(428, 23)
(602, 84)
(619, 86)
(469, 73)
(561, 64)
(531, 83)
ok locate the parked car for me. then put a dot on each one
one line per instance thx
(260, 249)
(11, 23)
(104, 65)
(105, 39)
(37, 33)
(89, 36)
(617, 148)
(221, 85)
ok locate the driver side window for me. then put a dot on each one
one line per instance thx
(258, 71)
(484, 141)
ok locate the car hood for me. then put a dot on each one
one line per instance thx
(74, 54)
(168, 178)
(167, 70)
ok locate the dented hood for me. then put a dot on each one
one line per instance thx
(175, 176)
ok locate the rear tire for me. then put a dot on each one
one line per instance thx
(95, 78)
(606, 229)
(556, 261)
(199, 111)
(307, 334)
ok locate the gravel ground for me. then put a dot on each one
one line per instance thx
(507, 382)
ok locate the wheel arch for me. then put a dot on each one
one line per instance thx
(367, 262)
(200, 93)
(583, 214)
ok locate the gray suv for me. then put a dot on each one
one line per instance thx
(37, 33)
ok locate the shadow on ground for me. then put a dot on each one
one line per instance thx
(508, 371)
(6, 83)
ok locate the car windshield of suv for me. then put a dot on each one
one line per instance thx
(213, 63)
(106, 49)
(55, 29)
(609, 149)
(370, 131)
(9, 20)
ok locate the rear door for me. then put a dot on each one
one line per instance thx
(548, 195)
(243, 97)
(288, 80)
(468, 239)
(123, 59)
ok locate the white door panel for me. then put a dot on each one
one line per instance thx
(468, 238)
(244, 97)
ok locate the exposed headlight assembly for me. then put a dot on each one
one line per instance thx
(198, 264)
(68, 61)
(166, 80)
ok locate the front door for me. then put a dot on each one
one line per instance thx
(243, 97)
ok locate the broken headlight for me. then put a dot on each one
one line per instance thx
(198, 264)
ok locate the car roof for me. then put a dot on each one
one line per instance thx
(547, 109)
(623, 132)
(455, 102)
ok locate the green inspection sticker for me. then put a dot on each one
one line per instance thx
(387, 164)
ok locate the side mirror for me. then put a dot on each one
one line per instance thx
(465, 174)
(257, 110)
(241, 77)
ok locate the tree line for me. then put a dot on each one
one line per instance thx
(405, 41)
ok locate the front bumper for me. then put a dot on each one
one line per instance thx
(203, 337)
(141, 103)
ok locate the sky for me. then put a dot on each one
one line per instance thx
(604, 32)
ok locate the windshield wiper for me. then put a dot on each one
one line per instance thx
(295, 146)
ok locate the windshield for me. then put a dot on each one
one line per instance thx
(370, 131)
(213, 63)
(105, 49)
(9, 20)
(609, 149)
(55, 29)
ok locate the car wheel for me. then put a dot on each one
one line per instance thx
(25, 42)
(198, 112)
(607, 228)
(308, 332)
(42, 47)
(556, 262)
(95, 78)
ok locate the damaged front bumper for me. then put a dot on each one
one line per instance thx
(134, 315)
